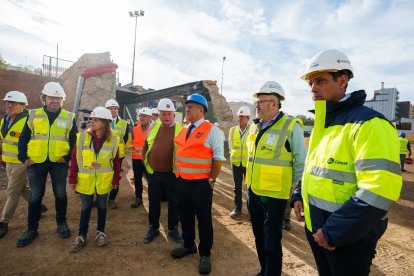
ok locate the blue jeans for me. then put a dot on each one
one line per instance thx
(37, 174)
(266, 214)
(87, 201)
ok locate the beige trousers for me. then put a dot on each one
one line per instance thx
(16, 187)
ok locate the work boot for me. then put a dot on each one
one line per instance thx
(4, 228)
(63, 230)
(112, 204)
(27, 237)
(175, 235)
(101, 239)
(205, 265)
(151, 235)
(78, 244)
(43, 209)
(235, 213)
(181, 252)
(137, 202)
(286, 224)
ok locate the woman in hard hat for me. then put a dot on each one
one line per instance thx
(95, 168)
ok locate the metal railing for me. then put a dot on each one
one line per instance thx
(54, 67)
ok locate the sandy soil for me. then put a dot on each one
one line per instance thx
(233, 251)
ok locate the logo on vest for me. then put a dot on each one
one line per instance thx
(333, 161)
(198, 135)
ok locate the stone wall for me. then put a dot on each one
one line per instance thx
(96, 89)
(221, 109)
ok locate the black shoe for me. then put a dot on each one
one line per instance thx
(152, 233)
(63, 230)
(137, 202)
(4, 228)
(235, 213)
(286, 224)
(43, 209)
(181, 252)
(205, 265)
(27, 237)
(175, 235)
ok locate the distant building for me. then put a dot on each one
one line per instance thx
(406, 109)
(385, 101)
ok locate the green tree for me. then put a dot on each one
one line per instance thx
(306, 121)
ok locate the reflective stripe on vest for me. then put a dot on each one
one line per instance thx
(120, 130)
(11, 140)
(95, 179)
(152, 133)
(49, 140)
(340, 164)
(269, 167)
(238, 151)
(138, 141)
(193, 159)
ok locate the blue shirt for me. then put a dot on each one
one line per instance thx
(214, 140)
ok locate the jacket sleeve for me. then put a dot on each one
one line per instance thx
(376, 160)
(117, 170)
(296, 195)
(23, 142)
(72, 140)
(73, 168)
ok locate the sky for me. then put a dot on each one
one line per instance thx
(183, 41)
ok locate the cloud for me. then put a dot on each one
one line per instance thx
(183, 41)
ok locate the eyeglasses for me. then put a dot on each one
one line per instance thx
(12, 103)
(260, 102)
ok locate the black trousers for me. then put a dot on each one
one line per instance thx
(158, 182)
(239, 173)
(353, 259)
(195, 198)
(266, 214)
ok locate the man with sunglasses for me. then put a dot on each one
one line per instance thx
(276, 158)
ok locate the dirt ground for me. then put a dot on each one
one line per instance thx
(233, 251)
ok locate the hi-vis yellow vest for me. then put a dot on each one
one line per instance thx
(10, 141)
(152, 133)
(269, 166)
(49, 140)
(403, 146)
(348, 160)
(237, 146)
(119, 130)
(91, 179)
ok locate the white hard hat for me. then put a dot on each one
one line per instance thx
(15, 96)
(243, 111)
(102, 113)
(53, 89)
(154, 111)
(216, 124)
(111, 103)
(165, 105)
(271, 87)
(145, 111)
(328, 61)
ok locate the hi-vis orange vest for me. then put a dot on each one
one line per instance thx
(138, 141)
(193, 160)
